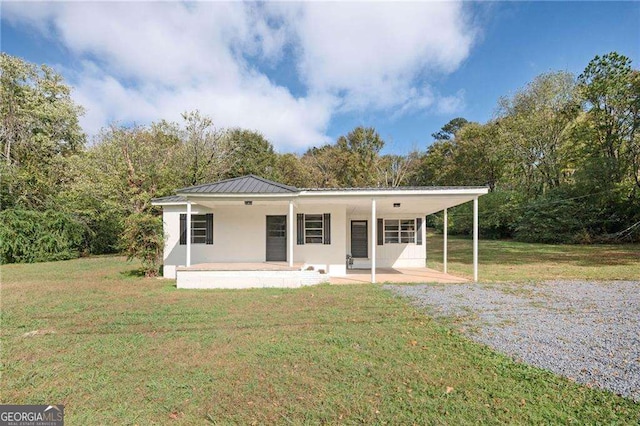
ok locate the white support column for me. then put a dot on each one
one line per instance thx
(188, 232)
(290, 234)
(374, 242)
(475, 239)
(445, 248)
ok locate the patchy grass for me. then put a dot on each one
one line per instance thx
(514, 261)
(116, 348)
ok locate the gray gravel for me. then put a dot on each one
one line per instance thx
(587, 331)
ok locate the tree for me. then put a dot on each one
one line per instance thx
(358, 154)
(31, 236)
(534, 124)
(449, 130)
(324, 164)
(291, 170)
(251, 153)
(396, 170)
(478, 144)
(143, 239)
(38, 125)
(611, 89)
(207, 152)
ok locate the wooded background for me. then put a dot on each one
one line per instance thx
(561, 158)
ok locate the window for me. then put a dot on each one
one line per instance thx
(201, 228)
(313, 229)
(198, 229)
(399, 231)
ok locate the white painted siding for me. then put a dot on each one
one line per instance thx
(239, 235)
(400, 255)
(330, 257)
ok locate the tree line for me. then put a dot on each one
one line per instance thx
(561, 158)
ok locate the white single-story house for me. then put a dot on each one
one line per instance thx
(253, 232)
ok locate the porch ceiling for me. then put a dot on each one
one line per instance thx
(424, 204)
(357, 205)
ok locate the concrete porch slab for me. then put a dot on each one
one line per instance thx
(397, 275)
(243, 266)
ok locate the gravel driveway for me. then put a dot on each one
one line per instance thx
(588, 331)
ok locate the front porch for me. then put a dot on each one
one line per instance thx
(280, 274)
(397, 275)
(232, 275)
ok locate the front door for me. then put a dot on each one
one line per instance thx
(276, 239)
(359, 240)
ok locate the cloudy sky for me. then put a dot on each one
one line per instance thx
(305, 73)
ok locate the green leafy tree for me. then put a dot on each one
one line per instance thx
(358, 155)
(534, 124)
(143, 239)
(479, 145)
(38, 126)
(28, 236)
(449, 130)
(291, 170)
(251, 153)
(206, 152)
(611, 89)
(323, 164)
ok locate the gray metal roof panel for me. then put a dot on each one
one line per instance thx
(249, 184)
(170, 199)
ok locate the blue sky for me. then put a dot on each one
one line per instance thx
(305, 73)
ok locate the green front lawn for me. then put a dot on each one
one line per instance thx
(117, 348)
(514, 261)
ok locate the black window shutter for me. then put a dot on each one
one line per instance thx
(419, 231)
(300, 228)
(209, 235)
(327, 228)
(380, 232)
(183, 229)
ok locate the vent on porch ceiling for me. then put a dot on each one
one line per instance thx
(248, 203)
(396, 204)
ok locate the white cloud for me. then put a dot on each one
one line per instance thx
(374, 52)
(145, 61)
(451, 104)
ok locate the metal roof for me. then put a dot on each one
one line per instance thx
(170, 199)
(250, 184)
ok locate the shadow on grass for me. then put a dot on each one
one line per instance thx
(133, 273)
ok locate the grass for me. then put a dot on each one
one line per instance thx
(515, 261)
(118, 348)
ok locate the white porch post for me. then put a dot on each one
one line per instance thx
(445, 248)
(374, 234)
(290, 233)
(475, 239)
(188, 232)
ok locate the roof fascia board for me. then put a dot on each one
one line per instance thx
(234, 195)
(397, 192)
(168, 203)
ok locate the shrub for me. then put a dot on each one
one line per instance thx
(557, 217)
(143, 239)
(28, 236)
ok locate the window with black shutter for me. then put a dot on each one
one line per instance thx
(201, 229)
